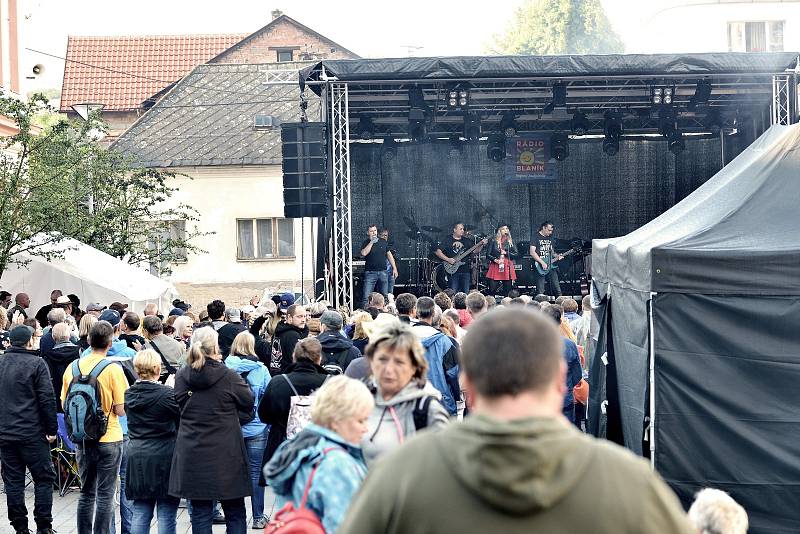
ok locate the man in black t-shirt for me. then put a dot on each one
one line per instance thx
(375, 252)
(544, 254)
(451, 246)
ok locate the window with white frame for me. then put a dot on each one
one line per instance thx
(158, 242)
(755, 36)
(263, 239)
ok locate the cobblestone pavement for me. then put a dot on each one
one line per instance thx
(64, 514)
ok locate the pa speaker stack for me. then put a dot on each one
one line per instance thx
(305, 184)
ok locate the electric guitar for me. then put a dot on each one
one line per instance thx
(451, 269)
(552, 263)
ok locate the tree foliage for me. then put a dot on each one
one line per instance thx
(547, 27)
(58, 182)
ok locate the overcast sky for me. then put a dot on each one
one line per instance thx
(371, 28)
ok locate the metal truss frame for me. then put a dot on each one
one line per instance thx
(782, 112)
(341, 251)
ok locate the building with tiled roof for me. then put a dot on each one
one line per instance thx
(126, 74)
(218, 129)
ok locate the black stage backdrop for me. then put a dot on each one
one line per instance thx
(596, 196)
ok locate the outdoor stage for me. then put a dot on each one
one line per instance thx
(397, 146)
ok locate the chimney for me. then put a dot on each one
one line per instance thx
(276, 13)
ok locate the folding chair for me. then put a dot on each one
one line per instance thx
(65, 460)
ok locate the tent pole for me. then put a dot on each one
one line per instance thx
(652, 436)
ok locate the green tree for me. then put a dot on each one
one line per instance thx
(547, 27)
(58, 182)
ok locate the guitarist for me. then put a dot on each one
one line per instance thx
(501, 254)
(450, 247)
(544, 254)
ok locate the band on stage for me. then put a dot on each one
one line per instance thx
(462, 259)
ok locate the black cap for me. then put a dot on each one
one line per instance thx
(20, 335)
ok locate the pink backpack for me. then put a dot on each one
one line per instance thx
(302, 520)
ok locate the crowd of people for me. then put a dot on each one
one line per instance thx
(320, 404)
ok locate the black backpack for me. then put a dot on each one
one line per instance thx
(421, 412)
(332, 361)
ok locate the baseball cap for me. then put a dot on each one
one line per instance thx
(176, 311)
(287, 299)
(112, 316)
(95, 306)
(63, 300)
(20, 335)
(248, 309)
(233, 315)
(331, 319)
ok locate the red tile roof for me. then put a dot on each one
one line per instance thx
(121, 72)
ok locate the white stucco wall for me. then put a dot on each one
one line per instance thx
(222, 195)
(694, 26)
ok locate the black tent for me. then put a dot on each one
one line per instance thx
(700, 330)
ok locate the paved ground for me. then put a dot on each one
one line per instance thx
(64, 514)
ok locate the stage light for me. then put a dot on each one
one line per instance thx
(612, 128)
(662, 95)
(508, 124)
(656, 94)
(675, 142)
(559, 98)
(458, 97)
(559, 146)
(389, 149)
(702, 93)
(496, 148)
(472, 126)
(366, 128)
(579, 124)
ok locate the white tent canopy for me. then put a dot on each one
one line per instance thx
(89, 273)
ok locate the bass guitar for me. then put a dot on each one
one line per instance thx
(552, 263)
(452, 268)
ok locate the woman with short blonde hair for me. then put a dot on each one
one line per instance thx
(147, 364)
(399, 385)
(184, 327)
(329, 447)
(153, 417)
(87, 321)
(244, 346)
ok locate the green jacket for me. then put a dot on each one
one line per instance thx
(523, 476)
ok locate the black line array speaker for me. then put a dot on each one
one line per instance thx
(305, 184)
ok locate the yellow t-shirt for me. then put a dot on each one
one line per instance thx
(112, 383)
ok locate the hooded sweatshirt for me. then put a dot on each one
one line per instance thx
(443, 355)
(288, 335)
(58, 359)
(522, 476)
(391, 422)
(337, 350)
(340, 473)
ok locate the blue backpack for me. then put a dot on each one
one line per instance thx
(83, 410)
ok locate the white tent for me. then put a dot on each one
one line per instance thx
(92, 275)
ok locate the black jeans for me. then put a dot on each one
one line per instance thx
(494, 285)
(35, 455)
(552, 276)
(99, 466)
(235, 516)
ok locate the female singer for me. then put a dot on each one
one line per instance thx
(501, 254)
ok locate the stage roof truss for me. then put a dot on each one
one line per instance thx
(733, 95)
